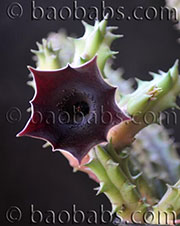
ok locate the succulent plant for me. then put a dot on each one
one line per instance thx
(145, 104)
(75, 76)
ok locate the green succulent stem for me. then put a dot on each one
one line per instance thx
(168, 208)
(96, 40)
(145, 104)
(47, 57)
(138, 179)
(123, 194)
(112, 165)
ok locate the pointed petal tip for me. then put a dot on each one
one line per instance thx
(94, 59)
(24, 132)
(77, 156)
(69, 66)
(112, 90)
(92, 62)
(20, 134)
(31, 69)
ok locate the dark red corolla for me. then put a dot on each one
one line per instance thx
(73, 108)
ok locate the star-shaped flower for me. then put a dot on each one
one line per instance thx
(73, 108)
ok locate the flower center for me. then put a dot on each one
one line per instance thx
(76, 107)
(82, 107)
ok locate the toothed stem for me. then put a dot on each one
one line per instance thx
(126, 193)
(114, 182)
(96, 41)
(168, 208)
(150, 99)
(47, 58)
(139, 180)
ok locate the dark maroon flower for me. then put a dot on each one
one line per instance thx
(73, 108)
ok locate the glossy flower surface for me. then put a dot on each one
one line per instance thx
(73, 108)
